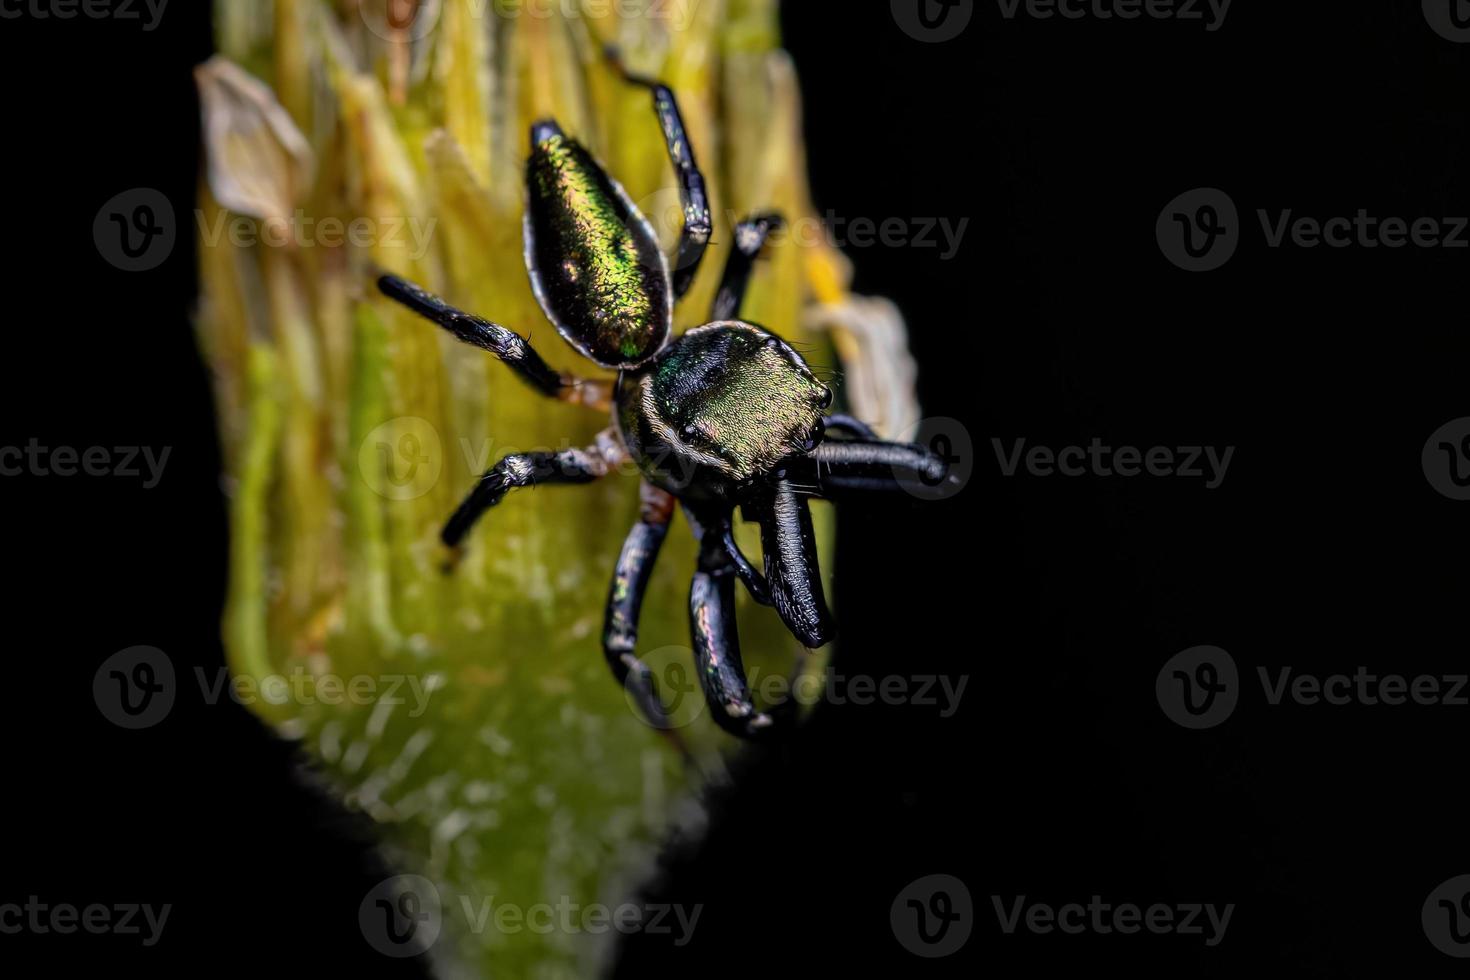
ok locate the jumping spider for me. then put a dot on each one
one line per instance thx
(725, 415)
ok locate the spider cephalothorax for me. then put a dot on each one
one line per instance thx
(725, 416)
(719, 410)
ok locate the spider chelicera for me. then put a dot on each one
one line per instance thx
(725, 415)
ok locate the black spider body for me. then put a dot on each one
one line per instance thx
(725, 416)
(718, 409)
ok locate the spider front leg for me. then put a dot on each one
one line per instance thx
(714, 636)
(838, 422)
(839, 467)
(792, 574)
(695, 233)
(529, 469)
(515, 352)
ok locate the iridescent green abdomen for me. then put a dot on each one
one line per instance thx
(595, 263)
(721, 405)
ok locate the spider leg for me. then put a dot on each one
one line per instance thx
(625, 600)
(529, 469)
(714, 637)
(790, 551)
(750, 237)
(755, 582)
(503, 343)
(694, 237)
(843, 466)
(838, 422)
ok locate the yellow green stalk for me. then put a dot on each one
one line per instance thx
(340, 140)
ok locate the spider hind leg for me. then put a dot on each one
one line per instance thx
(698, 224)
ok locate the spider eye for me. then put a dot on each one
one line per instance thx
(824, 399)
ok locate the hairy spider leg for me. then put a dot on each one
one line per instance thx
(842, 467)
(528, 469)
(790, 551)
(750, 238)
(713, 633)
(625, 601)
(515, 352)
(838, 422)
(755, 582)
(695, 234)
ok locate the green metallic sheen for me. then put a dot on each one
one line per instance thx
(723, 404)
(595, 262)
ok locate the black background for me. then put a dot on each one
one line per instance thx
(1059, 320)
